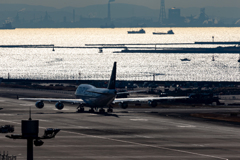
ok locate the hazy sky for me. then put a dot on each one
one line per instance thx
(148, 3)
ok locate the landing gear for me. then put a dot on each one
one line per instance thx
(110, 110)
(101, 110)
(91, 110)
(80, 108)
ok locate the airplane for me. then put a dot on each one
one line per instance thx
(90, 96)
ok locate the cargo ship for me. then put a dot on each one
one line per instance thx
(7, 25)
(141, 31)
(232, 49)
(162, 33)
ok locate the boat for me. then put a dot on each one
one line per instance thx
(141, 31)
(7, 25)
(162, 33)
(213, 58)
(185, 59)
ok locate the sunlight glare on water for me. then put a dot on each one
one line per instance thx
(43, 63)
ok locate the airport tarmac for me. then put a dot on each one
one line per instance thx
(125, 134)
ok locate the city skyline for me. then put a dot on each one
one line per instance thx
(153, 4)
(111, 15)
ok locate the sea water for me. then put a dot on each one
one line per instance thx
(75, 63)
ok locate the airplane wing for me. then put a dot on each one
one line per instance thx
(75, 101)
(130, 92)
(146, 99)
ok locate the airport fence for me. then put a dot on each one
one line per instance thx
(94, 76)
(124, 76)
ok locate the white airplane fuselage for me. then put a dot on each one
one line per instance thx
(95, 97)
(90, 96)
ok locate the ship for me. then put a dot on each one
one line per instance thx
(231, 49)
(185, 59)
(141, 31)
(213, 58)
(7, 25)
(162, 33)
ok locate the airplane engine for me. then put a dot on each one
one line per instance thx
(123, 105)
(152, 104)
(39, 104)
(59, 105)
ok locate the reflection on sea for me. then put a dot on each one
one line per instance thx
(89, 64)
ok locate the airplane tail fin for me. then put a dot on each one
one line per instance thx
(112, 81)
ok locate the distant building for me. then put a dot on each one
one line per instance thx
(17, 19)
(203, 16)
(174, 15)
(47, 17)
(109, 10)
(201, 20)
(74, 15)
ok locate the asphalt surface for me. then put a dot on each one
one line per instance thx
(146, 133)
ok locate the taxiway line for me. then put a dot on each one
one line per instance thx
(147, 145)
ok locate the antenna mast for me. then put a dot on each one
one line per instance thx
(162, 15)
(109, 10)
(30, 118)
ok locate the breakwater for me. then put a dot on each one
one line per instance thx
(199, 83)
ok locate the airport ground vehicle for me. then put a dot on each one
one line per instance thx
(7, 129)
